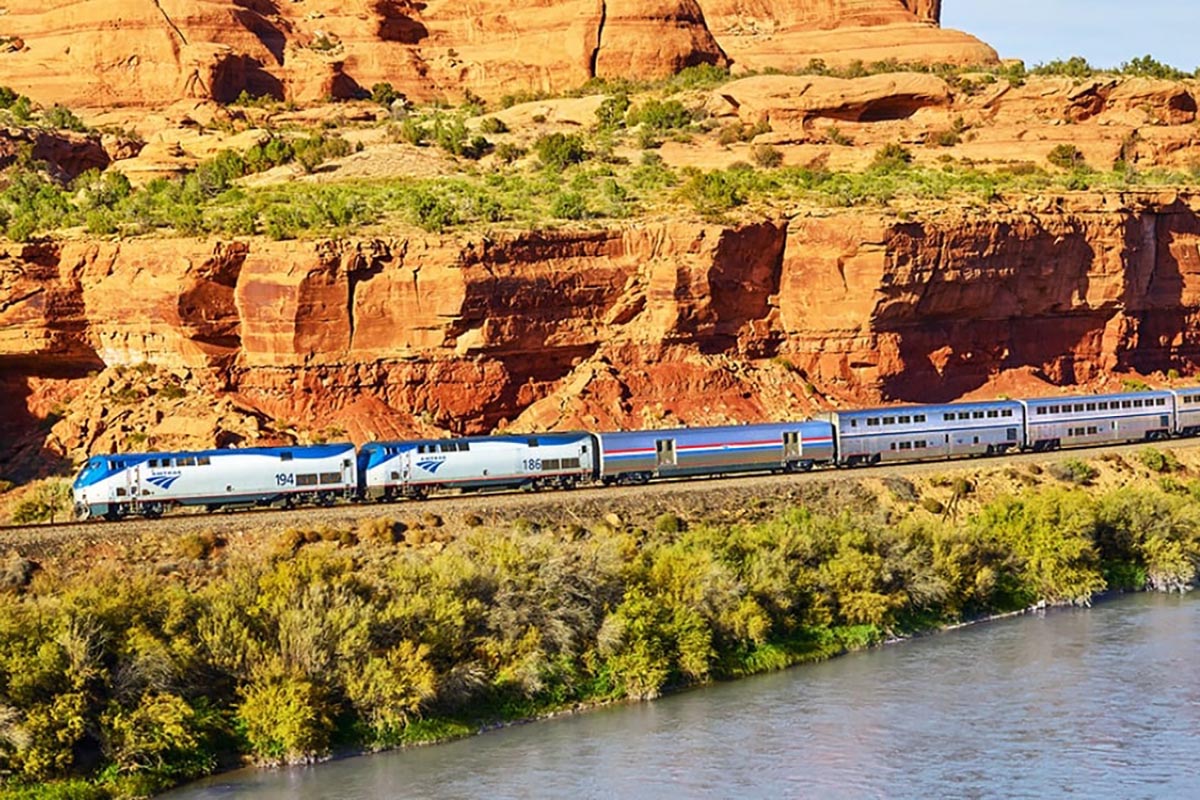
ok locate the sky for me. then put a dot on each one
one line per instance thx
(1105, 32)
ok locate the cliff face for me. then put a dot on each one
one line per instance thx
(652, 324)
(95, 53)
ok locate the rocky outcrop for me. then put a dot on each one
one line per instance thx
(645, 325)
(104, 53)
(66, 154)
(783, 35)
(783, 100)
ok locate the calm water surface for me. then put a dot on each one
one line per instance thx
(1101, 702)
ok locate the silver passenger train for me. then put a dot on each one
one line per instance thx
(147, 484)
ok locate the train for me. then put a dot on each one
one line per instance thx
(116, 486)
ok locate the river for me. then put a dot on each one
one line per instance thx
(1100, 702)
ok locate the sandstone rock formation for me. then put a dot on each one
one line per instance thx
(786, 35)
(104, 53)
(640, 325)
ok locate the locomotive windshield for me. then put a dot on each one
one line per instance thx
(93, 469)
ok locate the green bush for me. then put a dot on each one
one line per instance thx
(62, 117)
(49, 501)
(1073, 67)
(766, 156)
(933, 505)
(384, 94)
(1159, 461)
(611, 113)
(285, 719)
(492, 125)
(669, 523)
(560, 150)
(892, 156)
(1074, 471)
(1066, 156)
(659, 115)
(569, 205)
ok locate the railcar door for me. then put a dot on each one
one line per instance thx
(406, 468)
(664, 452)
(133, 482)
(791, 446)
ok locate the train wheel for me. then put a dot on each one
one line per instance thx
(152, 510)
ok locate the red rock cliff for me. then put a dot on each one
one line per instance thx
(96, 53)
(644, 325)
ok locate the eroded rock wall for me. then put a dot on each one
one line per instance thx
(645, 325)
(103, 53)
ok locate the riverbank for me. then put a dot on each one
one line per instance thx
(124, 675)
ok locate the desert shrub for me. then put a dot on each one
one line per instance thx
(1158, 461)
(381, 531)
(1074, 471)
(1073, 67)
(171, 391)
(384, 94)
(161, 733)
(933, 505)
(834, 135)
(560, 150)
(569, 205)
(432, 210)
(740, 132)
(196, 546)
(472, 520)
(1065, 156)
(411, 130)
(904, 490)
(766, 156)
(313, 151)
(611, 113)
(1149, 67)
(659, 115)
(432, 520)
(285, 719)
(47, 501)
(16, 572)
(945, 138)
(58, 116)
(392, 687)
(669, 523)
(492, 125)
(892, 156)
(711, 193)
(508, 152)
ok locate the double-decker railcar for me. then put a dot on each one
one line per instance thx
(638, 456)
(915, 433)
(1054, 422)
(146, 484)
(414, 468)
(1187, 411)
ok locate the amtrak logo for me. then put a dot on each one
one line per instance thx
(430, 465)
(162, 481)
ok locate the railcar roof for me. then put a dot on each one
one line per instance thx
(926, 409)
(1089, 398)
(717, 430)
(298, 451)
(511, 438)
